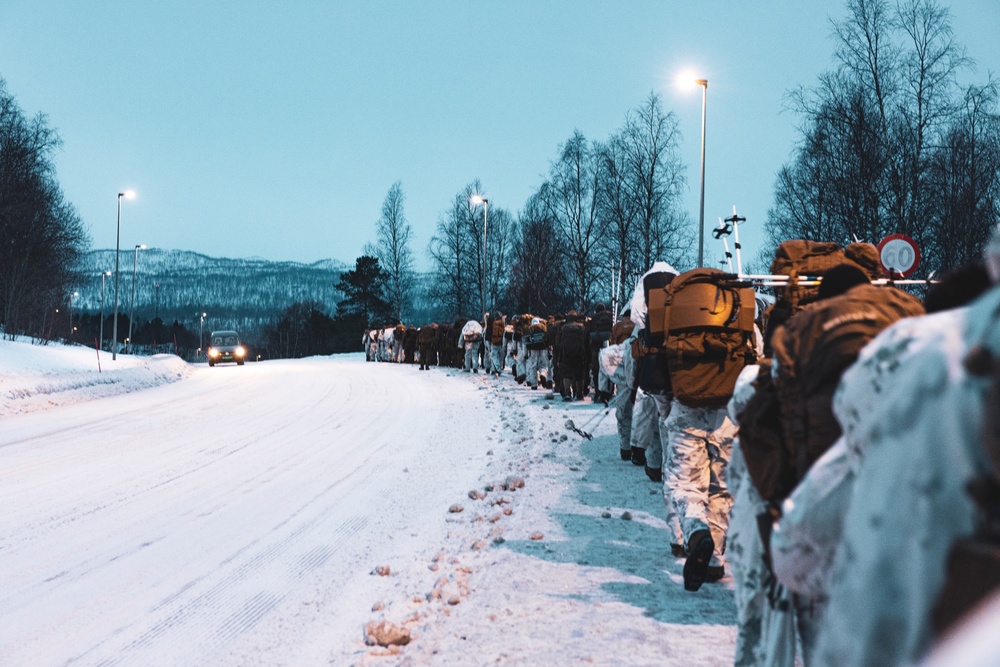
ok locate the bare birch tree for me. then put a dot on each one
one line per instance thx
(392, 248)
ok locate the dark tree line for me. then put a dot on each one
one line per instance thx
(892, 142)
(41, 235)
(304, 329)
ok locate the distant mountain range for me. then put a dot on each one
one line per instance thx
(180, 285)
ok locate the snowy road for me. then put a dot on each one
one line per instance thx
(230, 518)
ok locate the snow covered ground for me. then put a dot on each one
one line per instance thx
(161, 513)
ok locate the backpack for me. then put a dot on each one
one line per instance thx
(706, 320)
(600, 328)
(535, 338)
(802, 257)
(762, 439)
(651, 373)
(812, 350)
(573, 341)
(496, 333)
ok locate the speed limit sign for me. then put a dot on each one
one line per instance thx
(899, 255)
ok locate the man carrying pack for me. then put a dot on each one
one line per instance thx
(573, 353)
(494, 343)
(536, 352)
(707, 324)
(472, 338)
(599, 332)
(426, 341)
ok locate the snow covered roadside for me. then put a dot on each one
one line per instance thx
(35, 377)
(572, 568)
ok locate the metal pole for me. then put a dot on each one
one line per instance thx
(701, 210)
(131, 309)
(103, 275)
(118, 236)
(486, 208)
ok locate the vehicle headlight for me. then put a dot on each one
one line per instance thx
(212, 352)
(239, 351)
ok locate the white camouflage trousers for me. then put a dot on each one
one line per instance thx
(624, 409)
(700, 444)
(649, 432)
(534, 364)
(497, 353)
(471, 356)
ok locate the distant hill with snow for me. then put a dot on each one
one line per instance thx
(181, 285)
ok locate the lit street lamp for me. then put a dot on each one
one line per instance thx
(476, 199)
(131, 310)
(128, 194)
(104, 274)
(701, 207)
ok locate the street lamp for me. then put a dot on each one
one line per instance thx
(104, 274)
(128, 194)
(476, 199)
(701, 206)
(71, 297)
(131, 310)
(201, 334)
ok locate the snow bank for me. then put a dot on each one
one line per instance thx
(35, 377)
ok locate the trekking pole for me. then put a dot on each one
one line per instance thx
(571, 426)
(736, 220)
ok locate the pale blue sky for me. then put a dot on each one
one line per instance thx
(270, 129)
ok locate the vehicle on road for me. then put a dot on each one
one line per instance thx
(225, 346)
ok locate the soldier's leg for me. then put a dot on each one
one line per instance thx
(663, 407)
(689, 467)
(746, 560)
(623, 413)
(720, 451)
(643, 426)
(497, 359)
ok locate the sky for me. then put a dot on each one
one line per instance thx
(275, 130)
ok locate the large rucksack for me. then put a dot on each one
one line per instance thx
(811, 351)
(496, 332)
(804, 258)
(706, 320)
(534, 339)
(573, 340)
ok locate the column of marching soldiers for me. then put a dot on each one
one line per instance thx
(759, 415)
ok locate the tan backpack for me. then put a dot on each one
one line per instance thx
(804, 258)
(707, 319)
(812, 350)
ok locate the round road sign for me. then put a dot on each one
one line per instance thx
(899, 255)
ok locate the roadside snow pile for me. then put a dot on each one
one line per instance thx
(560, 558)
(36, 377)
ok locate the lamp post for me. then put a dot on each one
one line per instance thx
(701, 206)
(131, 309)
(71, 297)
(104, 274)
(476, 199)
(128, 194)
(201, 334)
